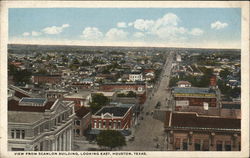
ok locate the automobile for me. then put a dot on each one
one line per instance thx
(132, 138)
(147, 113)
(141, 118)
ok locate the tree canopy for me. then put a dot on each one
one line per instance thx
(98, 101)
(111, 139)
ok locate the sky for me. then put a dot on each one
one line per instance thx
(164, 27)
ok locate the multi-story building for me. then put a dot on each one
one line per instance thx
(135, 76)
(82, 122)
(189, 131)
(138, 87)
(36, 124)
(111, 117)
(194, 99)
(52, 79)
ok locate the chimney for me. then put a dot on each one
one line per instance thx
(213, 82)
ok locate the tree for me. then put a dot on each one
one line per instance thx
(111, 139)
(98, 101)
(131, 94)
(224, 73)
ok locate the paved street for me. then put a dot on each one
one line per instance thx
(149, 135)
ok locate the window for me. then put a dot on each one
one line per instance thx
(228, 146)
(36, 148)
(239, 146)
(197, 145)
(104, 124)
(100, 124)
(114, 124)
(17, 149)
(12, 133)
(78, 122)
(118, 124)
(219, 145)
(205, 146)
(184, 144)
(23, 134)
(95, 124)
(110, 123)
(41, 146)
(18, 134)
(177, 144)
(78, 131)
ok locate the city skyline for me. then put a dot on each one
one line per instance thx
(160, 27)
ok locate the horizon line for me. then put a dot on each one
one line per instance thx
(99, 45)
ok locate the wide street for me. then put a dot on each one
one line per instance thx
(149, 134)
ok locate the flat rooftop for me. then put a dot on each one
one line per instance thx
(192, 120)
(192, 90)
(13, 105)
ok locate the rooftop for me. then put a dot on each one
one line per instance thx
(13, 105)
(193, 90)
(116, 111)
(33, 100)
(192, 120)
(82, 112)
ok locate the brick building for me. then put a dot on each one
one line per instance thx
(116, 118)
(82, 122)
(195, 99)
(52, 79)
(202, 133)
(138, 87)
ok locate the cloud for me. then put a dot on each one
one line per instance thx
(92, 33)
(143, 25)
(34, 33)
(121, 24)
(218, 25)
(170, 32)
(55, 29)
(116, 34)
(26, 34)
(139, 35)
(196, 32)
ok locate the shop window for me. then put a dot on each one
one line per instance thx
(177, 144)
(228, 146)
(205, 146)
(184, 144)
(197, 145)
(219, 145)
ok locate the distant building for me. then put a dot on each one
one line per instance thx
(36, 124)
(138, 87)
(191, 132)
(183, 84)
(136, 76)
(51, 79)
(178, 58)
